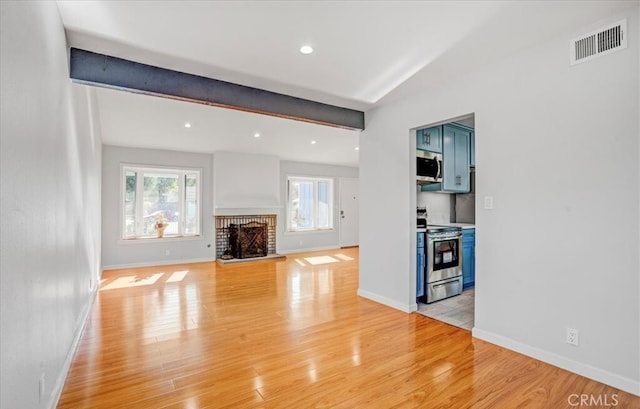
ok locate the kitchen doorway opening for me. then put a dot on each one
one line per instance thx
(446, 202)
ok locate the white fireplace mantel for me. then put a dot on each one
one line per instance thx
(242, 211)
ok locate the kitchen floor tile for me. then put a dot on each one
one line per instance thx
(457, 311)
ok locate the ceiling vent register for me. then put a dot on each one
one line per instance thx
(598, 43)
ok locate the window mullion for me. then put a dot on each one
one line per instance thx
(123, 202)
(139, 202)
(289, 205)
(182, 191)
(198, 206)
(316, 211)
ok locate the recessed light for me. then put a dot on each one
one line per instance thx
(313, 142)
(357, 148)
(306, 49)
(256, 135)
(187, 125)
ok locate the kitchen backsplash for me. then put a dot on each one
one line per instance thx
(441, 207)
(465, 210)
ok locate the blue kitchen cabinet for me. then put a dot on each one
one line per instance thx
(455, 158)
(431, 187)
(468, 258)
(420, 264)
(472, 149)
(429, 139)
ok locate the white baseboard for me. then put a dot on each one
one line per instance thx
(306, 250)
(71, 354)
(386, 301)
(157, 263)
(588, 371)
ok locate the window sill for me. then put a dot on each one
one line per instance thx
(148, 240)
(301, 232)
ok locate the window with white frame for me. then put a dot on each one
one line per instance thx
(309, 203)
(155, 195)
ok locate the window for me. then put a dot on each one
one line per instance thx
(310, 204)
(153, 194)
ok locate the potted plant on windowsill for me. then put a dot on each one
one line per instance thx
(161, 224)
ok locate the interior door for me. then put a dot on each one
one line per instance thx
(349, 208)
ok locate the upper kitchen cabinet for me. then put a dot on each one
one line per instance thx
(472, 149)
(455, 157)
(429, 139)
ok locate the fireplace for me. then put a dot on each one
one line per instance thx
(243, 237)
(248, 240)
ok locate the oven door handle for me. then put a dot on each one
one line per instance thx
(448, 282)
(443, 238)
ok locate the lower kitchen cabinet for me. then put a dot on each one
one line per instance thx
(420, 264)
(468, 258)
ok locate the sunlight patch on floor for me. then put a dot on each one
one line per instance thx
(321, 260)
(177, 276)
(132, 281)
(343, 257)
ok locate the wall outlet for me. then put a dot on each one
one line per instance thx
(167, 252)
(572, 336)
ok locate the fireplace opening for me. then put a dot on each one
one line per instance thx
(245, 236)
(248, 240)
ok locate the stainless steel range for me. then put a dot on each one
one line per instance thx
(444, 263)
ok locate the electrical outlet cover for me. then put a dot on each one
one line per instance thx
(572, 336)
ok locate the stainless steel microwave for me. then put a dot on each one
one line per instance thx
(428, 167)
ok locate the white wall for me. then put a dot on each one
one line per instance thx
(51, 160)
(558, 150)
(118, 253)
(245, 183)
(303, 241)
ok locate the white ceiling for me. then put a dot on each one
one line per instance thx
(367, 53)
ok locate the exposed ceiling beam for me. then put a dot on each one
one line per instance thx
(91, 68)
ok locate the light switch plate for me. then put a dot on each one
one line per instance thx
(488, 202)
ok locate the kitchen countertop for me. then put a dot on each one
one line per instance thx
(462, 225)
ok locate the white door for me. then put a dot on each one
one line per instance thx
(348, 212)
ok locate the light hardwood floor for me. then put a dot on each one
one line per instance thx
(291, 333)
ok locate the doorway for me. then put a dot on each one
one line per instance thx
(449, 205)
(349, 208)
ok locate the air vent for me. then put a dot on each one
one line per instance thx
(598, 43)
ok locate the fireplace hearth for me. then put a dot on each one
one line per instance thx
(245, 237)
